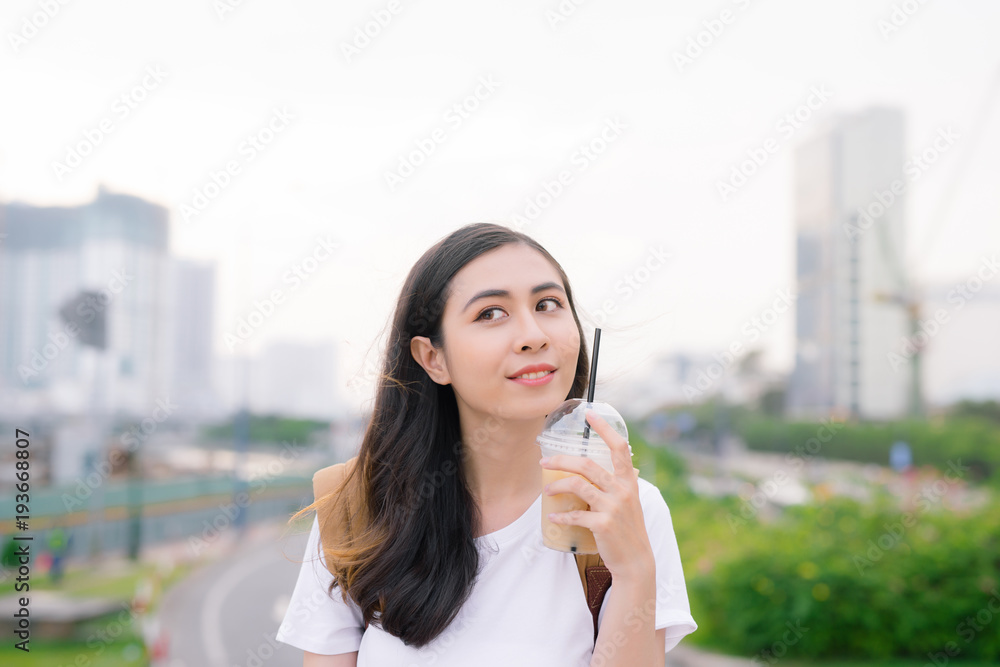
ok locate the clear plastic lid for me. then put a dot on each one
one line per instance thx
(567, 431)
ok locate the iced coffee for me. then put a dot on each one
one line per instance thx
(567, 432)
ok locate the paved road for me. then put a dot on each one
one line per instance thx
(227, 613)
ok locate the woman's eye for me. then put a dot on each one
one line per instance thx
(554, 300)
(482, 315)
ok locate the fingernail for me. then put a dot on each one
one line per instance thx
(543, 460)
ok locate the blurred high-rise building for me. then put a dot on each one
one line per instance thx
(849, 221)
(187, 347)
(107, 258)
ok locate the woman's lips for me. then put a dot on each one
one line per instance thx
(545, 379)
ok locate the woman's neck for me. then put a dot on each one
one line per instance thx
(501, 459)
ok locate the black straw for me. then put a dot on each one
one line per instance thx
(593, 379)
(593, 366)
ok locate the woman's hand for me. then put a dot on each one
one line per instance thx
(615, 514)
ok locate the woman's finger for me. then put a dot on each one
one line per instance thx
(621, 458)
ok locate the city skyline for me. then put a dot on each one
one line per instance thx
(210, 380)
(262, 153)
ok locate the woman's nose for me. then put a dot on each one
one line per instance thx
(530, 334)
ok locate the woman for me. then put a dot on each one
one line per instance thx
(450, 568)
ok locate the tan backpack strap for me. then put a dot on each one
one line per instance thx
(333, 519)
(596, 579)
(326, 481)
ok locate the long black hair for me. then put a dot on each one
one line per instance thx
(411, 561)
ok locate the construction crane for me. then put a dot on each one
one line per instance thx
(906, 295)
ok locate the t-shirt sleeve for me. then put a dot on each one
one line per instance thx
(673, 611)
(316, 621)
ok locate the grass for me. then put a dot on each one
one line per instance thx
(125, 652)
(85, 582)
(841, 662)
(882, 663)
(94, 645)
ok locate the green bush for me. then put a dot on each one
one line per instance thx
(856, 580)
(269, 429)
(866, 582)
(986, 409)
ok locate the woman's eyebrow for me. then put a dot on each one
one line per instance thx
(506, 294)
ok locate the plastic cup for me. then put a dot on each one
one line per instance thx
(567, 432)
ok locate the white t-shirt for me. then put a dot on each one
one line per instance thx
(527, 606)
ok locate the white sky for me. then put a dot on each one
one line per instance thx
(654, 186)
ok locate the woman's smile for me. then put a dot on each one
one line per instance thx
(534, 379)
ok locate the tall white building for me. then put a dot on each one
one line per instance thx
(189, 296)
(850, 197)
(108, 257)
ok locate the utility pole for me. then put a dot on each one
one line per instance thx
(92, 332)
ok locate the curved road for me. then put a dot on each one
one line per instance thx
(227, 613)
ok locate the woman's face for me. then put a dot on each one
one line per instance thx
(489, 337)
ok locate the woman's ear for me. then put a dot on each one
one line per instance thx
(430, 358)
